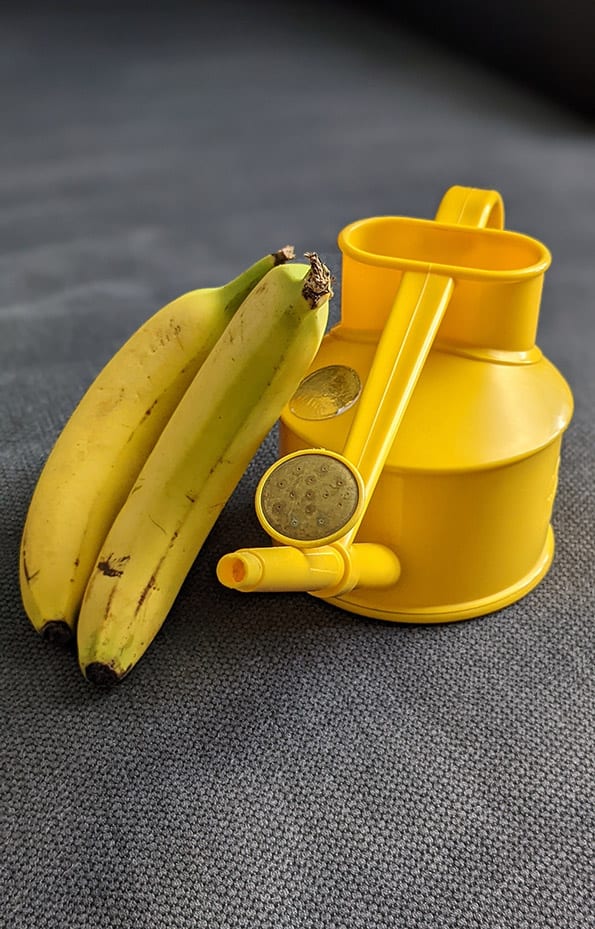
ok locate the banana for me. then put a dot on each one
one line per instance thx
(231, 405)
(106, 441)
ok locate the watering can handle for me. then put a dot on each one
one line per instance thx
(409, 332)
(471, 206)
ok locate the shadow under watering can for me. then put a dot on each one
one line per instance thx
(421, 451)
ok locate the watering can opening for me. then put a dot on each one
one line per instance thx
(401, 243)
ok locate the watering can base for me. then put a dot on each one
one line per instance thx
(375, 603)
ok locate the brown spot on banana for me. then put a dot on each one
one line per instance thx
(156, 524)
(109, 602)
(29, 576)
(113, 567)
(149, 410)
(176, 330)
(149, 586)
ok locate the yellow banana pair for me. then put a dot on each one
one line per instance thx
(154, 449)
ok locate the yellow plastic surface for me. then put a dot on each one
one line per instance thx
(329, 568)
(457, 433)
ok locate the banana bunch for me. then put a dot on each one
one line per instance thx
(154, 449)
(106, 441)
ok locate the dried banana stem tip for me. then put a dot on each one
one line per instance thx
(284, 254)
(57, 631)
(317, 284)
(101, 674)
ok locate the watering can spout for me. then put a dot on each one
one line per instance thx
(326, 570)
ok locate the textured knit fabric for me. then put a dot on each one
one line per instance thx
(274, 762)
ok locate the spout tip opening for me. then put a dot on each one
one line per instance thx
(239, 571)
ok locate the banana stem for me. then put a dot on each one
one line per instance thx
(317, 283)
(284, 254)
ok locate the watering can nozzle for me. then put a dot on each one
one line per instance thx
(327, 570)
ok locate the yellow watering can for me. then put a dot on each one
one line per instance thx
(421, 451)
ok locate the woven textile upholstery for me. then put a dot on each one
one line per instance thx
(273, 762)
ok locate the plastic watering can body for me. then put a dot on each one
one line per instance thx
(420, 453)
(467, 487)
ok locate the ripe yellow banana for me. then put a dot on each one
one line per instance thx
(106, 441)
(232, 403)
